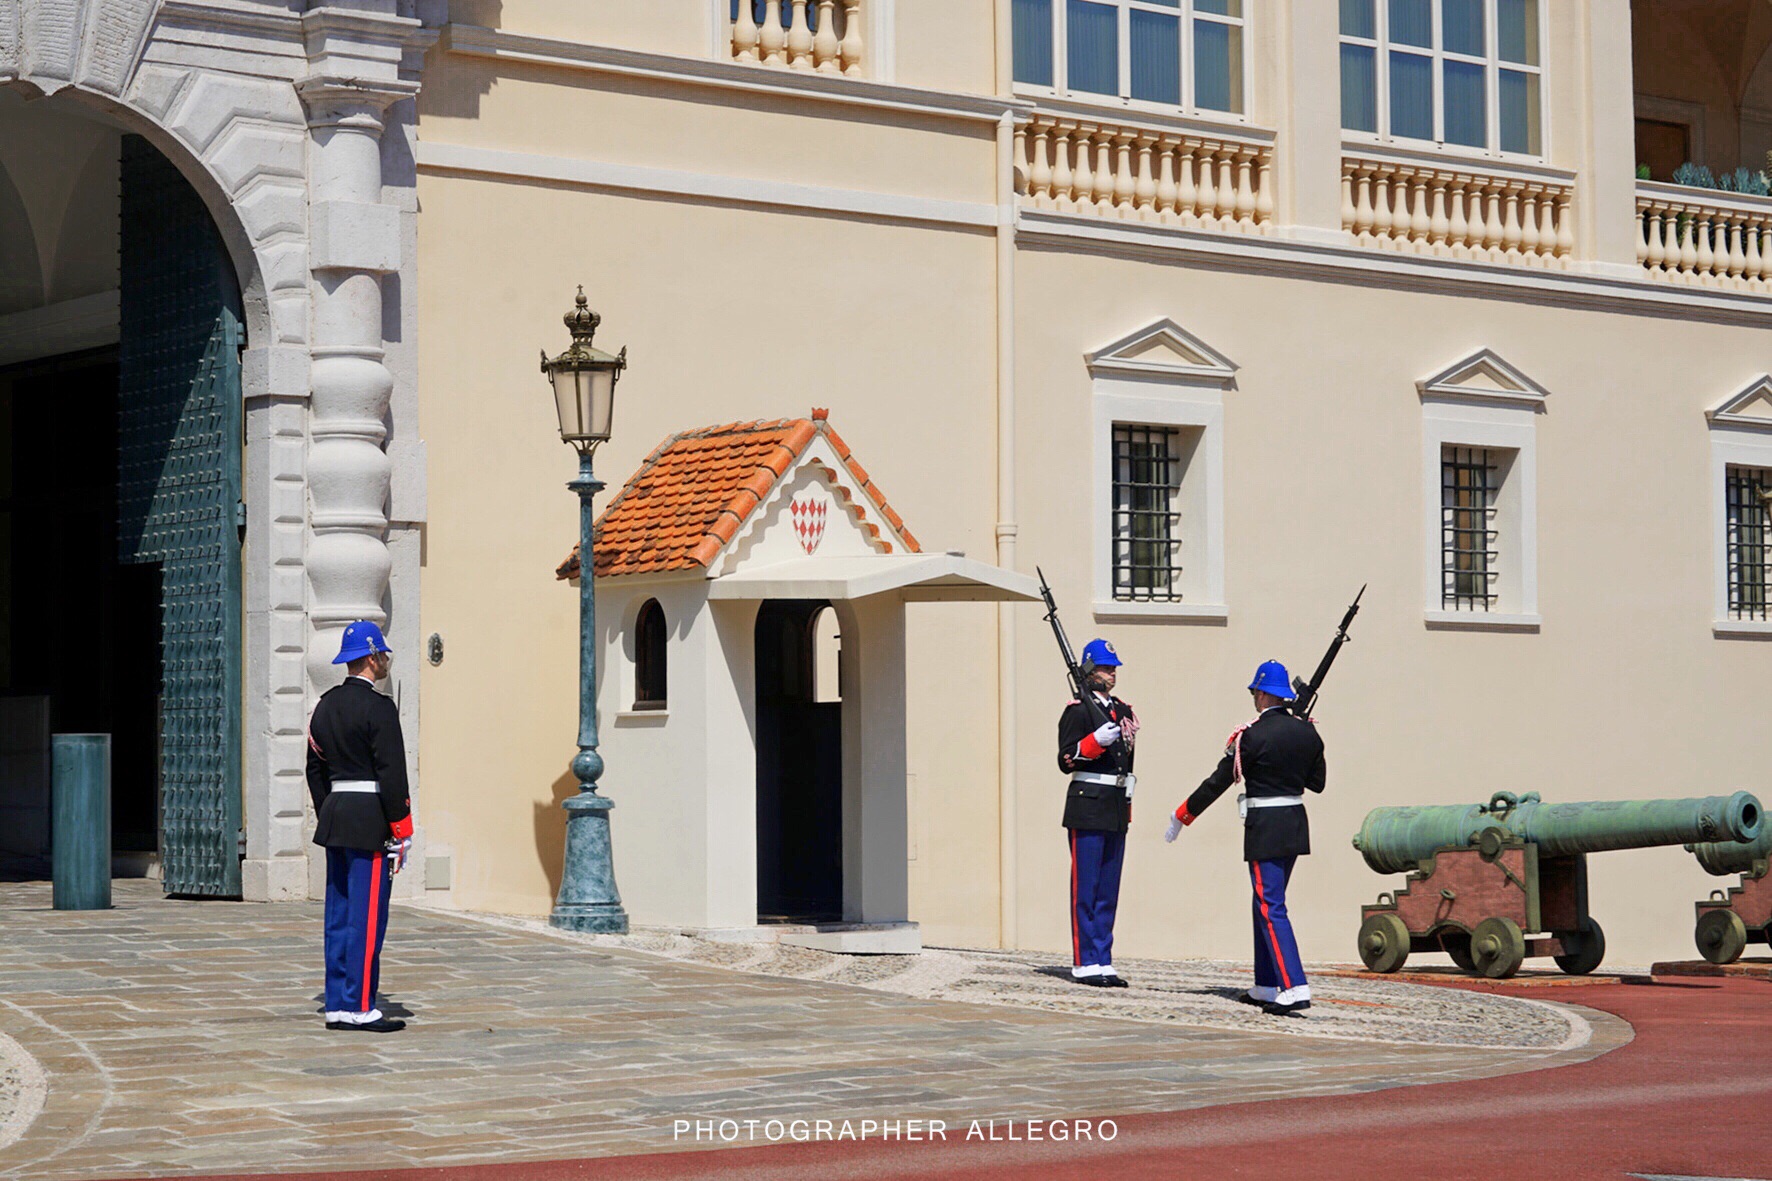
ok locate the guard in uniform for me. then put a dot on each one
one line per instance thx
(1095, 750)
(1278, 757)
(357, 777)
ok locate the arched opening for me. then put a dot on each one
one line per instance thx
(799, 738)
(120, 495)
(650, 681)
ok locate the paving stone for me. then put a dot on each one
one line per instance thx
(183, 1037)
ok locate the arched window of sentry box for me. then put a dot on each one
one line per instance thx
(649, 657)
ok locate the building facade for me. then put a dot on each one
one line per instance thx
(1214, 310)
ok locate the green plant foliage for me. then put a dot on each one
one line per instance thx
(1642, 172)
(1694, 176)
(1744, 180)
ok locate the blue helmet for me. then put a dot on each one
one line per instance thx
(361, 639)
(1099, 654)
(1271, 678)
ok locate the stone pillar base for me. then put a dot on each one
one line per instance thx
(274, 879)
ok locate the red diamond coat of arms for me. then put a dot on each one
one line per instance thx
(808, 516)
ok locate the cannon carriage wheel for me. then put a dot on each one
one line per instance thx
(1590, 949)
(1498, 947)
(1721, 936)
(1384, 942)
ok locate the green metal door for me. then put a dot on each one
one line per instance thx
(179, 444)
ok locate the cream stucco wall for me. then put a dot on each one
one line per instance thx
(738, 303)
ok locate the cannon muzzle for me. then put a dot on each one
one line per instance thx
(1397, 840)
(1726, 857)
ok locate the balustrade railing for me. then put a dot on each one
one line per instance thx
(1706, 238)
(826, 36)
(1163, 175)
(1450, 212)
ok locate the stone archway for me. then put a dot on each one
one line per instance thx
(286, 146)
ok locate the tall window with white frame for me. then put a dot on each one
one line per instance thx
(1465, 73)
(1470, 480)
(1748, 532)
(1170, 53)
(1147, 514)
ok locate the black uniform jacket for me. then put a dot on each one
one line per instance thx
(1282, 756)
(1094, 807)
(355, 735)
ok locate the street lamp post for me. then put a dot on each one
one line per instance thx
(584, 394)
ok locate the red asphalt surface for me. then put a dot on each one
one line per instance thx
(1690, 1096)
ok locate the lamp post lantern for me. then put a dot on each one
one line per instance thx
(584, 395)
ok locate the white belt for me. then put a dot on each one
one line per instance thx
(1127, 781)
(369, 786)
(1245, 802)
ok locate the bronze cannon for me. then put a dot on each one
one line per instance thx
(1483, 877)
(1729, 920)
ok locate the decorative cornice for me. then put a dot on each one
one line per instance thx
(1287, 256)
(498, 45)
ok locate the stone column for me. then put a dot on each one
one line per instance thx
(355, 241)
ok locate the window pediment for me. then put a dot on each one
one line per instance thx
(1483, 377)
(1750, 408)
(1163, 350)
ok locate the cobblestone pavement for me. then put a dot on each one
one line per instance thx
(183, 1037)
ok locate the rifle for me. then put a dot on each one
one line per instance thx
(1097, 715)
(1307, 693)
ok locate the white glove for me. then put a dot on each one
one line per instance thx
(1106, 735)
(1174, 828)
(398, 852)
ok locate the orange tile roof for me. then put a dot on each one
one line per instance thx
(695, 491)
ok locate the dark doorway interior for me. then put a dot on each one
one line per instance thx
(799, 769)
(79, 630)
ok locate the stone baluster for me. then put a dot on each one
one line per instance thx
(1187, 193)
(1511, 234)
(1245, 206)
(1439, 225)
(744, 33)
(1364, 216)
(1675, 246)
(1494, 231)
(1381, 207)
(1083, 178)
(1040, 170)
(1125, 183)
(1168, 192)
(1737, 253)
(1227, 189)
(854, 44)
(1420, 224)
(1529, 239)
(1350, 213)
(1144, 192)
(348, 561)
(1264, 193)
(1104, 172)
(1206, 202)
(1063, 178)
(1688, 246)
(1650, 251)
(800, 38)
(772, 39)
(1753, 261)
(825, 47)
(1457, 225)
(1705, 258)
(1021, 166)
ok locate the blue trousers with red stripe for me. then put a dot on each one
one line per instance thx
(1096, 858)
(1276, 951)
(358, 882)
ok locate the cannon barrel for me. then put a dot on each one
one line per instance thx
(1726, 857)
(1397, 840)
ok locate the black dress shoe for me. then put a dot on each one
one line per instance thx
(1244, 998)
(379, 1025)
(1295, 1009)
(1091, 981)
(1112, 981)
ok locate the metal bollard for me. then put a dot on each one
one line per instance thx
(81, 821)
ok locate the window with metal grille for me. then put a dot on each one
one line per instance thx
(1147, 520)
(1469, 481)
(1749, 534)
